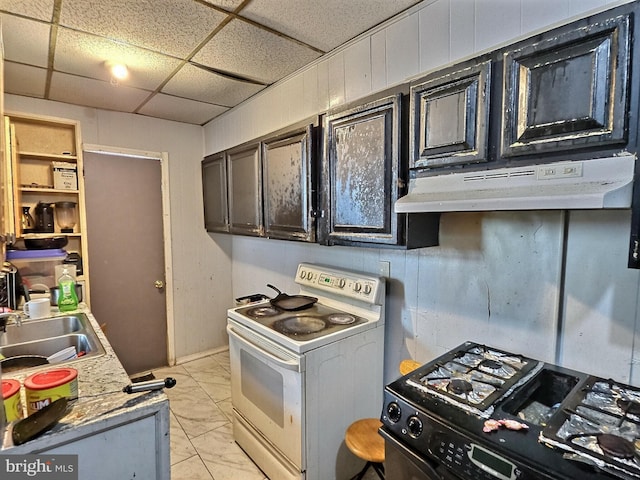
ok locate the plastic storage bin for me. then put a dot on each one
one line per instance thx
(37, 267)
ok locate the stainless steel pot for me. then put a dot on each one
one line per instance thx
(55, 294)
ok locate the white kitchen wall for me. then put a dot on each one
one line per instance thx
(553, 285)
(201, 267)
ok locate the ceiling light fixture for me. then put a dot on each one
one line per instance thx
(118, 71)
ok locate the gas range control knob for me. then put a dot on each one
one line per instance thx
(367, 289)
(414, 426)
(342, 282)
(357, 287)
(303, 274)
(393, 412)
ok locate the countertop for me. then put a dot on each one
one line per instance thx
(101, 403)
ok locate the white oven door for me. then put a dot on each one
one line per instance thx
(267, 389)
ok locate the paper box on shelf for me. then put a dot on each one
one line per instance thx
(65, 176)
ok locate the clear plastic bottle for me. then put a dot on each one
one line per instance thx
(67, 298)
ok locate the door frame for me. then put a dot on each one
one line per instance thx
(163, 157)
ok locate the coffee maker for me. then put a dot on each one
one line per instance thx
(44, 217)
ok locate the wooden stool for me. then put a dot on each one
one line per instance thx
(407, 366)
(364, 441)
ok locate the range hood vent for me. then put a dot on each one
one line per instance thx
(589, 184)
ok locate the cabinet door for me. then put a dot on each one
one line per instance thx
(360, 174)
(9, 187)
(287, 184)
(449, 117)
(567, 90)
(245, 191)
(214, 191)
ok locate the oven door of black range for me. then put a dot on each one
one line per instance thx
(401, 463)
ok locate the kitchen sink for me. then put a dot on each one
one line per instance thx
(51, 335)
(41, 329)
(81, 342)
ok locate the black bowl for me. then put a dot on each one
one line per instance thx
(41, 243)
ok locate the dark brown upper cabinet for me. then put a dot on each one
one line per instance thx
(214, 190)
(364, 172)
(449, 116)
(567, 89)
(245, 190)
(288, 185)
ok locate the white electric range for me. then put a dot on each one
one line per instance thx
(300, 378)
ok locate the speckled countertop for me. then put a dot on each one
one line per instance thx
(101, 404)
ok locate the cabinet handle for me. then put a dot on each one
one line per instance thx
(159, 284)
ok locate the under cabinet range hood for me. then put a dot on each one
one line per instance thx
(588, 184)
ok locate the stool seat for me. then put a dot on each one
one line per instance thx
(407, 366)
(364, 441)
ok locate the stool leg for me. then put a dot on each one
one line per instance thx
(379, 468)
(359, 475)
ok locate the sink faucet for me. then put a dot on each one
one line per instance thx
(5, 319)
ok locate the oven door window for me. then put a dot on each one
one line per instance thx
(263, 386)
(267, 390)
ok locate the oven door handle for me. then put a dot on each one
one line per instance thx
(287, 363)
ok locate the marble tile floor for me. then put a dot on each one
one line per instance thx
(202, 445)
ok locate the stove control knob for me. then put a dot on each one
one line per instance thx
(367, 289)
(393, 412)
(342, 282)
(414, 425)
(303, 274)
(357, 287)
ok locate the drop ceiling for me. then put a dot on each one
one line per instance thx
(188, 60)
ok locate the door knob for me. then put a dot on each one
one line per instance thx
(159, 284)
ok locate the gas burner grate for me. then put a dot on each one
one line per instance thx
(473, 376)
(462, 382)
(602, 423)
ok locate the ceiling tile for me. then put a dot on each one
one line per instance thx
(95, 93)
(40, 9)
(228, 5)
(86, 55)
(323, 24)
(157, 40)
(199, 84)
(174, 27)
(24, 80)
(181, 109)
(25, 41)
(243, 49)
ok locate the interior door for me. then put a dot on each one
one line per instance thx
(126, 253)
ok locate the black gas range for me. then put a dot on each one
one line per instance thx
(478, 412)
